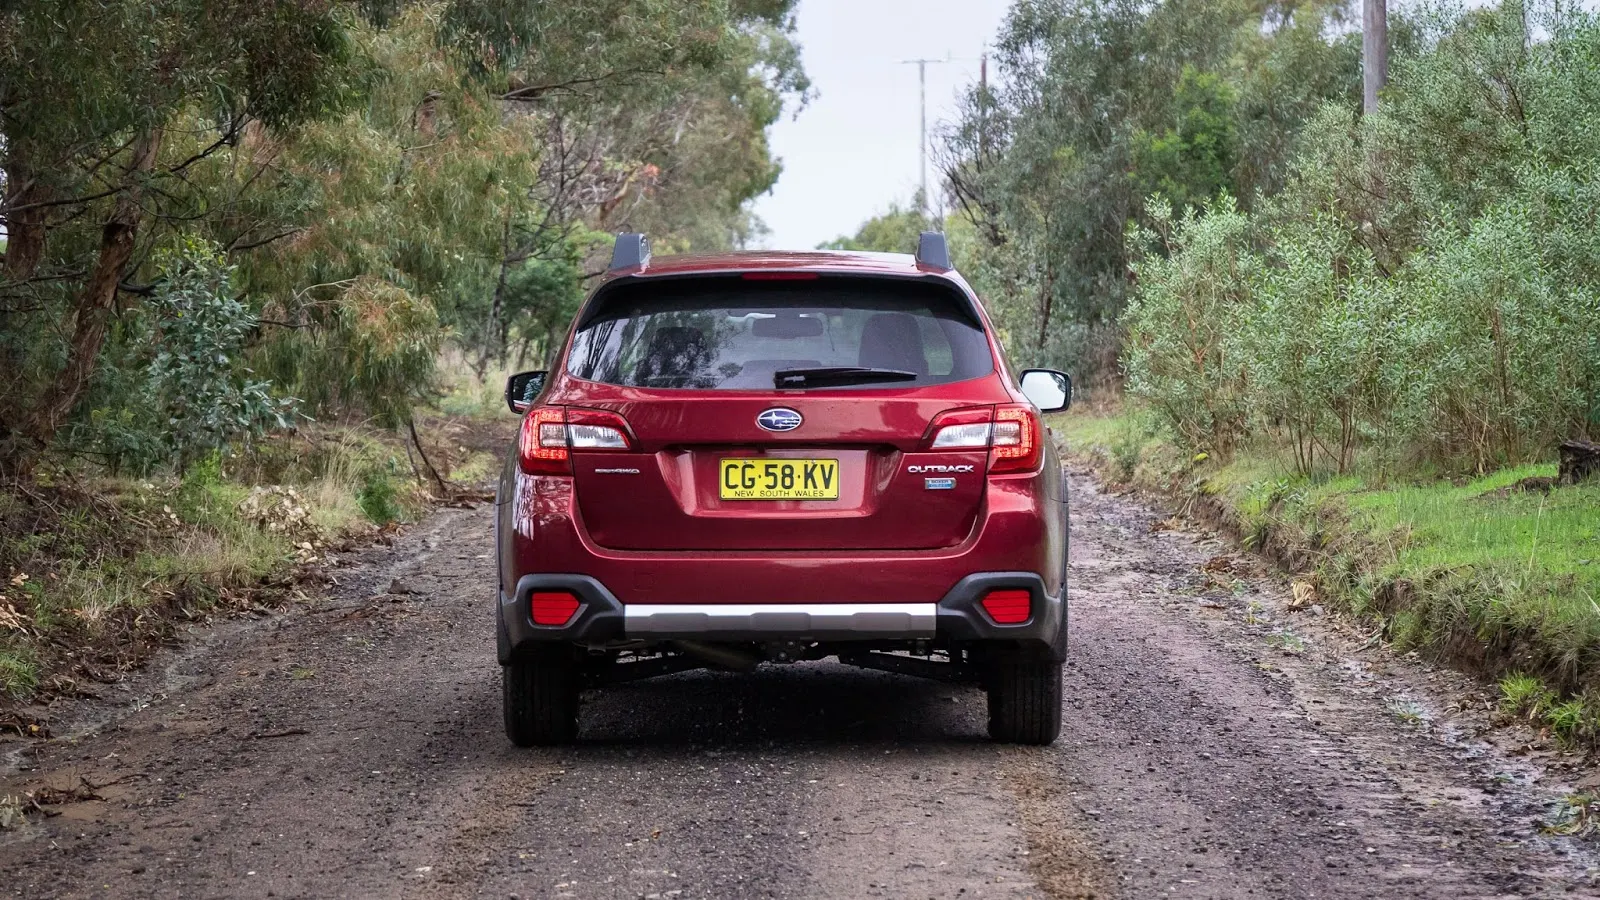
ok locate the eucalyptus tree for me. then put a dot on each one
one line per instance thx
(1099, 105)
(106, 107)
(378, 177)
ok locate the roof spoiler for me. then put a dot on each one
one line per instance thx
(632, 251)
(932, 251)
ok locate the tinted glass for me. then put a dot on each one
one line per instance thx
(731, 334)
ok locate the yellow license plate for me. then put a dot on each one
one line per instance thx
(780, 479)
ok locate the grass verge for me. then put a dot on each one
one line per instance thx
(1498, 574)
(96, 572)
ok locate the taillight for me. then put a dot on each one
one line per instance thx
(551, 433)
(596, 429)
(1008, 607)
(961, 428)
(1012, 433)
(1018, 443)
(543, 444)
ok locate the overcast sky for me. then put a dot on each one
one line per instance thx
(853, 150)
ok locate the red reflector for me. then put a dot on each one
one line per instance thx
(1008, 607)
(553, 608)
(779, 276)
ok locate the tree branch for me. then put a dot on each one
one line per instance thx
(235, 246)
(535, 91)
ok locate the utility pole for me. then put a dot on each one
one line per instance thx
(983, 102)
(1374, 52)
(922, 83)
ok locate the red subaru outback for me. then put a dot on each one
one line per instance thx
(767, 458)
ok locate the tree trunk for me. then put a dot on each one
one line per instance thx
(494, 328)
(93, 308)
(411, 426)
(1580, 461)
(25, 239)
(1046, 301)
(25, 227)
(1374, 52)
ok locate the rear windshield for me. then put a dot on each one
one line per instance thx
(736, 334)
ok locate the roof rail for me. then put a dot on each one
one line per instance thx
(632, 251)
(932, 251)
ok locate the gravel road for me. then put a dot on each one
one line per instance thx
(1216, 745)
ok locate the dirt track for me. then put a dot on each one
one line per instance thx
(354, 749)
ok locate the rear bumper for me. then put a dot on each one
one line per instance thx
(541, 532)
(956, 619)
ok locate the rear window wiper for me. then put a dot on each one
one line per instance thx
(837, 375)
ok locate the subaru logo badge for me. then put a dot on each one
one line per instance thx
(779, 419)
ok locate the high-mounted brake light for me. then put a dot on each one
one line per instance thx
(779, 276)
(1011, 432)
(551, 433)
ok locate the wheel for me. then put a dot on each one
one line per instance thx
(541, 700)
(1025, 702)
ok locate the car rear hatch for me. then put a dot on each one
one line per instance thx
(718, 457)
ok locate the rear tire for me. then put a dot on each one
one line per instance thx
(1025, 702)
(541, 700)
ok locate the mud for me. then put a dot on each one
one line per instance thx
(1216, 744)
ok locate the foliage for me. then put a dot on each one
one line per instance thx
(378, 498)
(106, 107)
(376, 179)
(1482, 572)
(895, 231)
(1437, 310)
(172, 380)
(1194, 290)
(1100, 106)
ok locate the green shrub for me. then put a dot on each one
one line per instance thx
(379, 498)
(1195, 285)
(172, 388)
(1427, 282)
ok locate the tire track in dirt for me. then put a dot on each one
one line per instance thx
(1209, 764)
(354, 748)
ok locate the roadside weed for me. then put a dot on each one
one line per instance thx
(1409, 712)
(1573, 815)
(379, 499)
(1287, 641)
(1498, 571)
(11, 811)
(1523, 695)
(19, 671)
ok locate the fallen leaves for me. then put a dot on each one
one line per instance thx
(11, 619)
(277, 509)
(1303, 594)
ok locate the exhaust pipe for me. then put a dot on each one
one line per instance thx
(724, 657)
